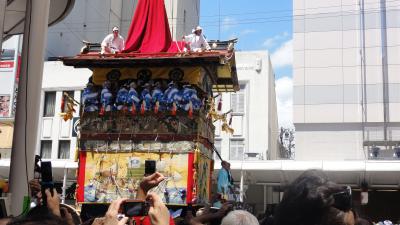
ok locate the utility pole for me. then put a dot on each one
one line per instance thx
(219, 19)
(28, 104)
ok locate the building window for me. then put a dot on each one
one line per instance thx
(49, 103)
(217, 145)
(63, 149)
(238, 100)
(238, 105)
(45, 149)
(236, 150)
(70, 94)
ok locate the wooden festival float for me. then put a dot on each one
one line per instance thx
(151, 102)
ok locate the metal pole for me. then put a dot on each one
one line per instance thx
(28, 105)
(241, 186)
(385, 79)
(265, 197)
(64, 187)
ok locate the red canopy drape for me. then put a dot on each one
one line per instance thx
(149, 31)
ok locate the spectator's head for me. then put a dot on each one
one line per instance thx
(39, 215)
(239, 217)
(226, 165)
(312, 199)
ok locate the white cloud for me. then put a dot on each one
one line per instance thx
(241, 33)
(228, 23)
(247, 31)
(283, 56)
(273, 41)
(284, 100)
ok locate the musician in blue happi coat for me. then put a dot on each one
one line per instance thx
(89, 98)
(106, 97)
(145, 96)
(122, 97)
(158, 96)
(189, 95)
(171, 95)
(133, 97)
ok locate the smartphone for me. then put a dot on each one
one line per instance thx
(149, 167)
(131, 208)
(47, 180)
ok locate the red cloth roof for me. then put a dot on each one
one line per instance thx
(149, 31)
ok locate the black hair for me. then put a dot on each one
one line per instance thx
(308, 201)
(39, 215)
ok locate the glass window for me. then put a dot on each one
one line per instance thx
(49, 103)
(70, 94)
(236, 150)
(238, 100)
(45, 149)
(63, 149)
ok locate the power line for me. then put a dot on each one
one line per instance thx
(280, 18)
(291, 10)
(259, 20)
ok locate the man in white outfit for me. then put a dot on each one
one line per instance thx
(197, 41)
(113, 43)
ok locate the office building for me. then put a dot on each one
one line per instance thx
(346, 83)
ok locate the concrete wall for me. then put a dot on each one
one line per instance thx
(330, 44)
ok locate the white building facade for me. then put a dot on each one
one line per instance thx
(255, 124)
(346, 82)
(92, 21)
(254, 112)
(58, 139)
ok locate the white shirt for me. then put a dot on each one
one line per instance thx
(117, 44)
(197, 42)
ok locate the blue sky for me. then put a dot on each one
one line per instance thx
(259, 25)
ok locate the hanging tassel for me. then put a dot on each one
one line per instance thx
(190, 110)
(156, 107)
(173, 110)
(196, 156)
(102, 111)
(62, 103)
(143, 108)
(219, 108)
(133, 112)
(230, 121)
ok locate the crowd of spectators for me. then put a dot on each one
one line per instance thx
(311, 199)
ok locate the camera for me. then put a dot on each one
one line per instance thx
(131, 208)
(47, 180)
(149, 167)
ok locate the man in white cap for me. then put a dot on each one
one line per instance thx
(113, 43)
(197, 41)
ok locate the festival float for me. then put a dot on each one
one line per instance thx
(155, 102)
